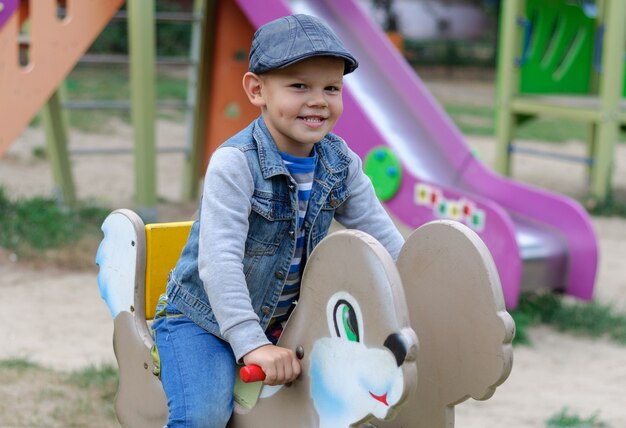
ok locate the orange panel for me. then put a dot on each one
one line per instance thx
(55, 47)
(229, 109)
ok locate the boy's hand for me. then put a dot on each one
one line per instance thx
(279, 364)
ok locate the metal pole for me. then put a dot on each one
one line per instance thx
(198, 95)
(507, 81)
(611, 87)
(141, 35)
(55, 128)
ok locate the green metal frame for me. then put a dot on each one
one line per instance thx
(55, 127)
(601, 108)
(198, 95)
(142, 52)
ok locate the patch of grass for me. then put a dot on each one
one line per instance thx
(18, 364)
(609, 208)
(472, 120)
(40, 153)
(533, 309)
(104, 379)
(554, 130)
(95, 377)
(522, 322)
(571, 420)
(480, 120)
(586, 319)
(31, 395)
(90, 82)
(41, 223)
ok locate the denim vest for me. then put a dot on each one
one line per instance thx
(272, 220)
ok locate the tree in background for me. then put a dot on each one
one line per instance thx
(172, 38)
(390, 21)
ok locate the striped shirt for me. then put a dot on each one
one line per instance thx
(301, 170)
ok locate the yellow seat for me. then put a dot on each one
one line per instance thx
(164, 243)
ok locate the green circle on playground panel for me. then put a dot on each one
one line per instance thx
(232, 110)
(383, 167)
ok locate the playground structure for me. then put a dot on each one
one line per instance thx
(420, 163)
(372, 366)
(558, 59)
(40, 42)
(54, 45)
(416, 157)
(32, 68)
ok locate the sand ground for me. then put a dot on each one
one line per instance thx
(55, 317)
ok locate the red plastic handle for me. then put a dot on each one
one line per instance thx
(251, 373)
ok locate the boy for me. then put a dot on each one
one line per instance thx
(270, 194)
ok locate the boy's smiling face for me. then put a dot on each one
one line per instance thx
(300, 103)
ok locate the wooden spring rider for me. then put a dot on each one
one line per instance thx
(355, 328)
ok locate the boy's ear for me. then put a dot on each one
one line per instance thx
(253, 85)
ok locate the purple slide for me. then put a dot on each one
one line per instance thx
(7, 7)
(539, 240)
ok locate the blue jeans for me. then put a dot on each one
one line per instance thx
(197, 370)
